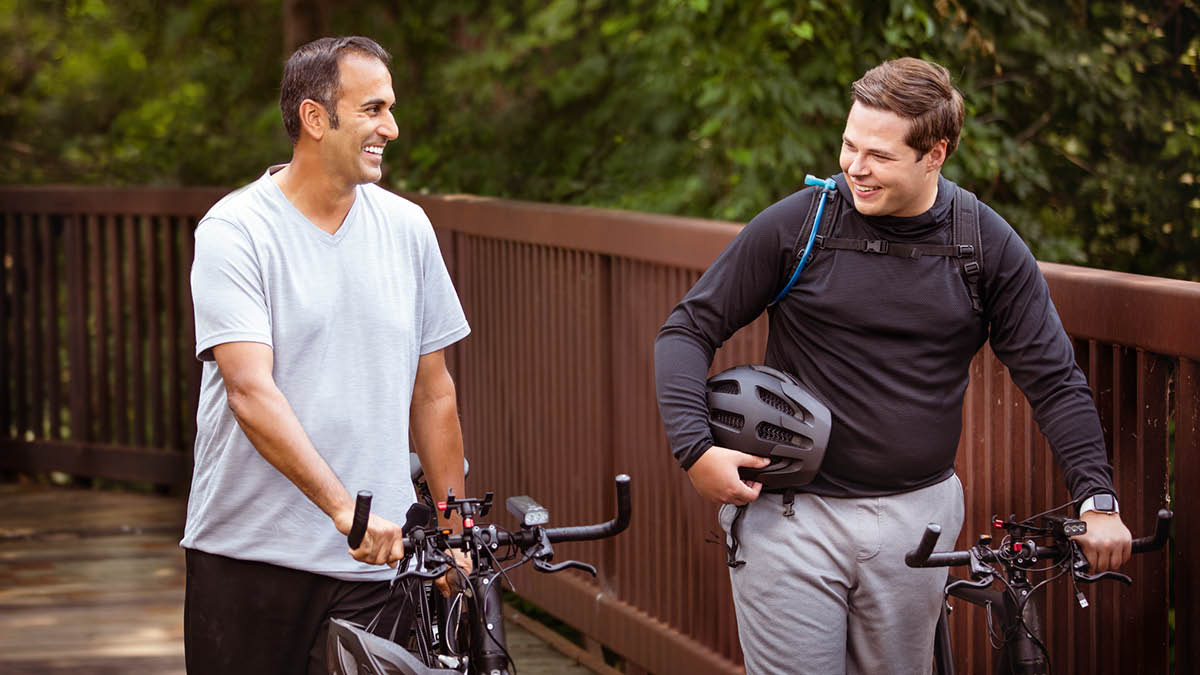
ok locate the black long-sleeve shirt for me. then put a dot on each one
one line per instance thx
(886, 342)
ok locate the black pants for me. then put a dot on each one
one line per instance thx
(253, 617)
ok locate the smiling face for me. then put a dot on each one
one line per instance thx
(886, 175)
(353, 152)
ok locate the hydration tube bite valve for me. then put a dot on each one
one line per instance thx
(826, 183)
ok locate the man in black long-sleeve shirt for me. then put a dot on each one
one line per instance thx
(886, 342)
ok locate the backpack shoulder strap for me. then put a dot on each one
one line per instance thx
(824, 199)
(969, 241)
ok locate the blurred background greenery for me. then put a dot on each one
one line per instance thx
(1083, 117)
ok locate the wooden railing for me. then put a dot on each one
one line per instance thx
(556, 392)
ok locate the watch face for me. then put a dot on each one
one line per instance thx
(1104, 503)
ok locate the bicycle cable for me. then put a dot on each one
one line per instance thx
(1019, 605)
(1030, 519)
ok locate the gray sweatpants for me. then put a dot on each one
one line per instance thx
(826, 591)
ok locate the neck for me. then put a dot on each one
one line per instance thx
(322, 199)
(922, 202)
(929, 197)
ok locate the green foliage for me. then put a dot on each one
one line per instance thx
(139, 91)
(1082, 116)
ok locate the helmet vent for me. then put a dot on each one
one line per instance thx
(775, 401)
(726, 387)
(775, 434)
(728, 419)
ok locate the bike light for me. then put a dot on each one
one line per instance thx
(529, 512)
(1066, 527)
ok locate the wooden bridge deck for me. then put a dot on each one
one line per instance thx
(92, 582)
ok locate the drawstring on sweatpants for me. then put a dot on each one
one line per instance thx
(731, 548)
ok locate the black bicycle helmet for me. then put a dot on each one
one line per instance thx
(766, 412)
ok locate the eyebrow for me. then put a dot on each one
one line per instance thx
(880, 153)
(374, 101)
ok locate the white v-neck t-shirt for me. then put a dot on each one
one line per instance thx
(347, 315)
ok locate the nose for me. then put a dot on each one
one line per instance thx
(388, 128)
(858, 166)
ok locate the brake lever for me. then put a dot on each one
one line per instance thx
(978, 569)
(423, 556)
(982, 584)
(543, 552)
(551, 568)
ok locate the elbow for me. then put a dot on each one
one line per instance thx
(440, 395)
(240, 394)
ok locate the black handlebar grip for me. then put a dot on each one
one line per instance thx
(362, 513)
(624, 503)
(1161, 530)
(609, 529)
(920, 555)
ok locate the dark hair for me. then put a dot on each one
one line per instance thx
(312, 72)
(917, 90)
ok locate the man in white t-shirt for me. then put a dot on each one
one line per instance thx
(322, 308)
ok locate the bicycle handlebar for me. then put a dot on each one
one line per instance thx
(923, 555)
(524, 537)
(362, 513)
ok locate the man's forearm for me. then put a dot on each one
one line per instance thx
(437, 434)
(269, 422)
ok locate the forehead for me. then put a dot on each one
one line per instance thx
(875, 128)
(363, 78)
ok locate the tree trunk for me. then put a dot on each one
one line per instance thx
(304, 21)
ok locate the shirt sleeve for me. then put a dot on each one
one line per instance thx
(1027, 335)
(443, 321)
(228, 295)
(729, 295)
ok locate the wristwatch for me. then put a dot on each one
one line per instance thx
(1102, 503)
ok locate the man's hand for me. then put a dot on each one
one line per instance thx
(1107, 542)
(451, 582)
(715, 476)
(383, 544)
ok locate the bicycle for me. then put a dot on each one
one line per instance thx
(1013, 611)
(465, 633)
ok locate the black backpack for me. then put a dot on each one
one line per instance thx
(965, 246)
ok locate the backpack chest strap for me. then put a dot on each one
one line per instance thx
(885, 247)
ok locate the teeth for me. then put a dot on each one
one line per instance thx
(374, 149)
(861, 188)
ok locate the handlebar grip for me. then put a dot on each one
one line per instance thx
(920, 555)
(1161, 530)
(612, 527)
(362, 513)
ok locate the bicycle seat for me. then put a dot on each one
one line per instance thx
(417, 475)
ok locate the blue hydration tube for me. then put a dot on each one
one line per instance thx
(829, 186)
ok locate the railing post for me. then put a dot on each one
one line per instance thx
(1185, 547)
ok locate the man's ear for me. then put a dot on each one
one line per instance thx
(936, 157)
(314, 119)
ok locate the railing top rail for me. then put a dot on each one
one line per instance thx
(1157, 314)
(676, 241)
(67, 199)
